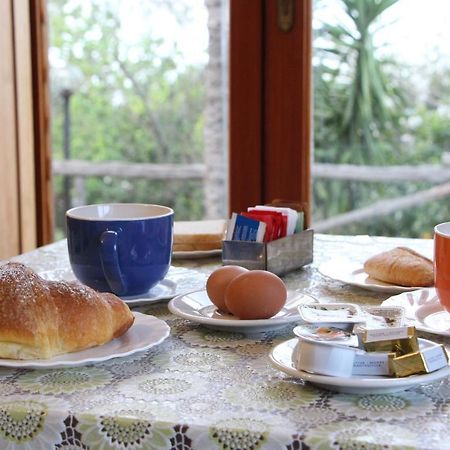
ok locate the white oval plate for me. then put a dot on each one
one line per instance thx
(352, 273)
(281, 358)
(197, 306)
(423, 310)
(179, 280)
(146, 332)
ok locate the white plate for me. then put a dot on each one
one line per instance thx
(196, 254)
(423, 310)
(197, 306)
(146, 332)
(352, 272)
(281, 358)
(178, 280)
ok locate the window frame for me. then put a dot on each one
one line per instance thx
(41, 108)
(269, 113)
(270, 104)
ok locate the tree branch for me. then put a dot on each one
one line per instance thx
(153, 120)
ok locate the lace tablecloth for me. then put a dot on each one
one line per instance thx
(206, 389)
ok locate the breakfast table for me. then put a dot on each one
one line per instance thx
(206, 388)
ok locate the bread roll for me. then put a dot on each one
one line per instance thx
(201, 246)
(40, 319)
(401, 266)
(198, 235)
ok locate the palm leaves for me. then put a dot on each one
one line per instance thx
(366, 97)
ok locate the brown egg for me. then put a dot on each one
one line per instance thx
(256, 294)
(218, 282)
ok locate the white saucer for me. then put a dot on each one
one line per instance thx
(423, 310)
(281, 358)
(164, 290)
(352, 273)
(146, 332)
(178, 280)
(197, 306)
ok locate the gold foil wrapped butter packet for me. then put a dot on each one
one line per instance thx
(425, 361)
(398, 340)
(386, 334)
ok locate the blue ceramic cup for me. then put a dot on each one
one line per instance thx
(124, 248)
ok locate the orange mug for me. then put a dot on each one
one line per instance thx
(442, 263)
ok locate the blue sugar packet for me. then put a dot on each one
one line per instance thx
(242, 228)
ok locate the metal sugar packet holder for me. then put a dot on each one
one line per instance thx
(279, 256)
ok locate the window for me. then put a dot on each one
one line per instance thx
(270, 128)
(150, 98)
(381, 85)
(139, 102)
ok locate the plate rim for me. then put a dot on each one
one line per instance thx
(229, 323)
(157, 325)
(136, 300)
(375, 287)
(364, 382)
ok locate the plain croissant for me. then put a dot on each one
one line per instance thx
(401, 266)
(40, 319)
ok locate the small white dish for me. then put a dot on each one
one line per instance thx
(331, 313)
(326, 334)
(423, 310)
(324, 357)
(179, 280)
(198, 254)
(197, 307)
(146, 332)
(281, 358)
(352, 273)
(384, 316)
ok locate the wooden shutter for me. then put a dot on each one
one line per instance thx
(19, 215)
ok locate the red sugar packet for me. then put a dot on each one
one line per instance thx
(275, 221)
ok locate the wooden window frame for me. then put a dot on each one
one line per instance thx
(270, 104)
(41, 109)
(25, 209)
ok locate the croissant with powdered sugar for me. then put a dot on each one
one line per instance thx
(40, 318)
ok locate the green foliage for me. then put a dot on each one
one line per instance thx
(367, 112)
(365, 102)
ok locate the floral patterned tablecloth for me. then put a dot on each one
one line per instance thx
(205, 389)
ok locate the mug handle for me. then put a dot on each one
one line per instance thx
(110, 262)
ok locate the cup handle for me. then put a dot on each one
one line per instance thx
(110, 262)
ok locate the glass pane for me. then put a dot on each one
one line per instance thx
(382, 101)
(138, 110)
